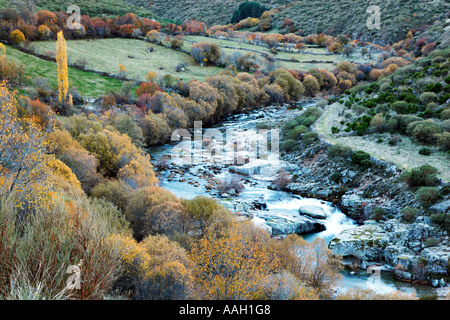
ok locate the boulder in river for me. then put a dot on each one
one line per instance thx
(313, 211)
(283, 225)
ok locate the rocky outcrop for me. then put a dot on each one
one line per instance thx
(442, 207)
(401, 246)
(365, 242)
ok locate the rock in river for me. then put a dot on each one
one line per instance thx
(313, 211)
(284, 225)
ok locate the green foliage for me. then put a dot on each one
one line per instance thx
(428, 195)
(288, 145)
(409, 214)
(424, 176)
(336, 177)
(441, 219)
(425, 151)
(361, 158)
(248, 9)
(424, 131)
(309, 138)
(339, 151)
(378, 214)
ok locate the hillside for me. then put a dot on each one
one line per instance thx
(88, 7)
(209, 11)
(311, 16)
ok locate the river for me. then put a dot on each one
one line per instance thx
(279, 203)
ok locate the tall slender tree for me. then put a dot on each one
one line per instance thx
(63, 74)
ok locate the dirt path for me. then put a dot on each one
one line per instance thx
(405, 155)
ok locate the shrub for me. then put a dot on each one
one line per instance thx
(205, 53)
(339, 151)
(115, 191)
(378, 213)
(443, 141)
(309, 138)
(425, 151)
(228, 184)
(336, 177)
(282, 180)
(207, 213)
(296, 132)
(311, 85)
(17, 37)
(400, 107)
(421, 176)
(409, 214)
(378, 122)
(292, 88)
(287, 145)
(424, 131)
(428, 97)
(445, 115)
(442, 220)
(361, 158)
(248, 9)
(428, 195)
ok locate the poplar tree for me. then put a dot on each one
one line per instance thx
(61, 60)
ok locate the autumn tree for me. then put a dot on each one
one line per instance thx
(234, 265)
(63, 72)
(17, 37)
(313, 263)
(23, 153)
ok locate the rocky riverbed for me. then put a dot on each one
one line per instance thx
(312, 204)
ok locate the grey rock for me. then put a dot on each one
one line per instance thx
(437, 258)
(403, 274)
(435, 283)
(366, 242)
(442, 207)
(290, 225)
(393, 252)
(312, 211)
(351, 200)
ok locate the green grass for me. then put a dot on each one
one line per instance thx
(301, 57)
(90, 84)
(106, 55)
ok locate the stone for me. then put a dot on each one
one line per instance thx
(351, 200)
(435, 283)
(290, 225)
(312, 211)
(323, 194)
(437, 258)
(366, 242)
(392, 253)
(442, 207)
(403, 275)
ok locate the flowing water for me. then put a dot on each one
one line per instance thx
(279, 203)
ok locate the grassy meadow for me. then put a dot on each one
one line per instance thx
(89, 84)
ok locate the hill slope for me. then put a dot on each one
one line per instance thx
(313, 16)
